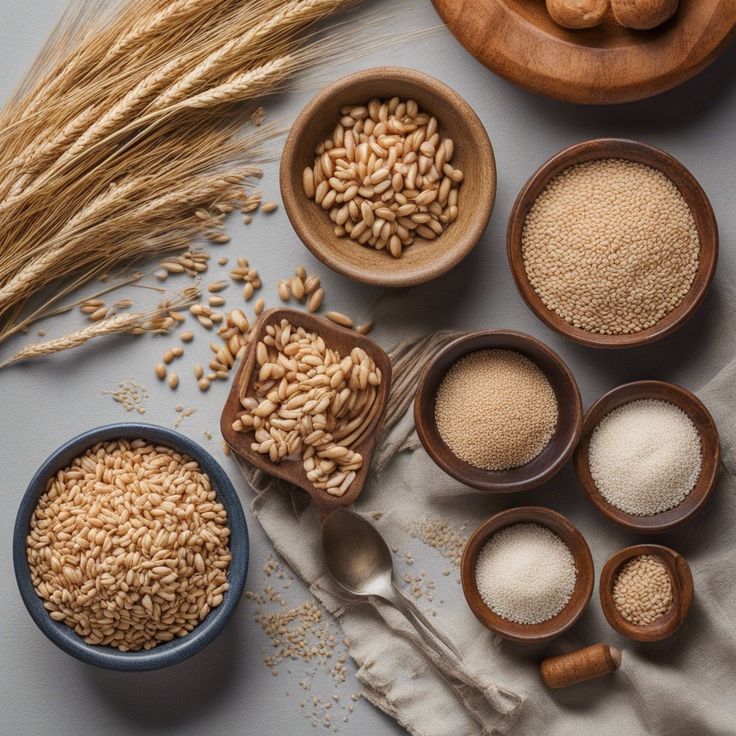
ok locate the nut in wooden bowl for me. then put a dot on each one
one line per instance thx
(431, 254)
(360, 440)
(682, 592)
(552, 457)
(581, 592)
(709, 446)
(551, 295)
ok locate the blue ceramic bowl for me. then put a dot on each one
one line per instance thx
(168, 653)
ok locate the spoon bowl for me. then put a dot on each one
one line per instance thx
(360, 562)
(357, 556)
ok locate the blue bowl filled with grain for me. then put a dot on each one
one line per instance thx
(130, 547)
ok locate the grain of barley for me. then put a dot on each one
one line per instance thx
(186, 336)
(259, 306)
(173, 381)
(315, 300)
(339, 319)
(269, 207)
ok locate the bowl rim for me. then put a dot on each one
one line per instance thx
(681, 578)
(168, 653)
(710, 446)
(437, 366)
(689, 188)
(294, 200)
(579, 548)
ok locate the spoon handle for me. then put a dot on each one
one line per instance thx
(430, 633)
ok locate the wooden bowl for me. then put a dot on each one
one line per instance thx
(339, 339)
(424, 260)
(682, 593)
(710, 446)
(529, 633)
(689, 188)
(608, 64)
(542, 467)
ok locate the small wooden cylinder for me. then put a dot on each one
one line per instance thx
(579, 666)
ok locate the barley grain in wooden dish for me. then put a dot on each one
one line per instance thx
(129, 545)
(386, 176)
(311, 402)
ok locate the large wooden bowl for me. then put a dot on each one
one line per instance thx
(555, 454)
(682, 593)
(424, 260)
(608, 64)
(529, 633)
(709, 442)
(689, 188)
(293, 471)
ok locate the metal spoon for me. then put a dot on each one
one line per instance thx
(360, 562)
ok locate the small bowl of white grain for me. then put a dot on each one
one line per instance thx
(527, 574)
(649, 455)
(130, 547)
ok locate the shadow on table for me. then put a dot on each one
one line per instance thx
(179, 694)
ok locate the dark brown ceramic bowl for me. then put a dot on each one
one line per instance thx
(425, 259)
(529, 633)
(632, 151)
(682, 593)
(710, 444)
(542, 467)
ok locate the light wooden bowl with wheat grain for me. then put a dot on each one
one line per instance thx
(424, 260)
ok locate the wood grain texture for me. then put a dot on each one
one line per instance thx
(607, 64)
(580, 665)
(683, 593)
(425, 259)
(529, 633)
(710, 446)
(337, 338)
(688, 187)
(549, 461)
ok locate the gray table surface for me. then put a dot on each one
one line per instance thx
(227, 689)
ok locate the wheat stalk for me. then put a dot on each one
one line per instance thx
(104, 163)
(133, 322)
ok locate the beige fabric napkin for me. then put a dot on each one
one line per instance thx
(685, 686)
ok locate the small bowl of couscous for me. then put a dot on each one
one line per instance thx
(498, 410)
(612, 243)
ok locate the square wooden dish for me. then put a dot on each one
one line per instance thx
(292, 470)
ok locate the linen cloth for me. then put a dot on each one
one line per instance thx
(683, 686)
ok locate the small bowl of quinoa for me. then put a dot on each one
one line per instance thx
(498, 410)
(646, 591)
(130, 547)
(527, 574)
(612, 243)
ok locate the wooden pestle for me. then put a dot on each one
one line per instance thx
(580, 665)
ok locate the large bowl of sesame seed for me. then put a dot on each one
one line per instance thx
(612, 243)
(130, 547)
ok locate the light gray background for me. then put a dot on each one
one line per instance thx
(226, 689)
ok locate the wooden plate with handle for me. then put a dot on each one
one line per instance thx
(605, 65)
(292, 470)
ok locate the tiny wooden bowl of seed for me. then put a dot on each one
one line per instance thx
(559, 449)
(569, 534)
(692, 193)
(292, 470)
(424, 259)
(682, 593)
(709, 443)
